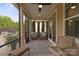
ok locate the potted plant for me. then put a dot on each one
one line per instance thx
(12, 44)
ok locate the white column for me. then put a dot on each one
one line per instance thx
(44, 26)
(36, 26)
(40, 26)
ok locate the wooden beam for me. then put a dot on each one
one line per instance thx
(23, 9)
(21, 39)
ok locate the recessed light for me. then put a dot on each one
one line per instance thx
(72, 7)
(40, 6)
(38, 15)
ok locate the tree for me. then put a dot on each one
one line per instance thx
(7, 22)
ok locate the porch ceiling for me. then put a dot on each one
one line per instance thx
(32, 10)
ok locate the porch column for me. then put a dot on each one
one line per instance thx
(36, 26)
(40, 26)
(21, 39)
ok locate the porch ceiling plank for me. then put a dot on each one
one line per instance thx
(32, 10)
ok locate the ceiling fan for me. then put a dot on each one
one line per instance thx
(40, 5)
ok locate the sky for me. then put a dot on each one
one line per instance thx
(8, 9)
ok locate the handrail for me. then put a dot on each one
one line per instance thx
(8, 43)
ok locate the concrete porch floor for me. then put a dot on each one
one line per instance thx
(38, 48)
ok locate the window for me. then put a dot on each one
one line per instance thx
(33, 26)
(50, 29)
(72, 24)
(71, 9)
(72, 27)
(43, 26)
(26, 26)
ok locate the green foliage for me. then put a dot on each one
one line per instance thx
(10, 38)
(6, 22)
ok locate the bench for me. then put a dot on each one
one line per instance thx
(19, 51)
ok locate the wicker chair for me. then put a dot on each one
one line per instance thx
(66, 46)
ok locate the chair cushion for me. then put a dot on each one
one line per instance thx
(65, 42)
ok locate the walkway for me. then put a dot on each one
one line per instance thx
(39, 48)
